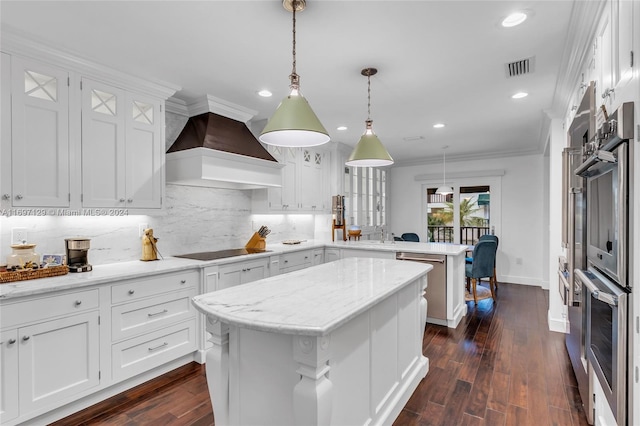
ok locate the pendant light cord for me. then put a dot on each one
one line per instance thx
(369, 97)
(294, 76)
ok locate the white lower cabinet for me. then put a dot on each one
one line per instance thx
(331, 254)
(295, 260)
(234, 274)
(318, 257)
(152, 322)
(50, 352)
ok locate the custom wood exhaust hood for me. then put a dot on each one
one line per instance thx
(217, 151)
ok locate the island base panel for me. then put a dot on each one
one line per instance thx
(363, 372)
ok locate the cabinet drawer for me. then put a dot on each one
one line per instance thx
(137, 289)
(295, 260)
(146, 315)
(13, 314)
(148, 351)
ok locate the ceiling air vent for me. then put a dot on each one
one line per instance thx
(521, 67)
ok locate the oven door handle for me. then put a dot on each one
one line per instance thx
(596, 293)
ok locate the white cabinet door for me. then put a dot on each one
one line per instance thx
(312, 190)
(58, 359)
(103, 145)
(39, 135)
(331, 254)
(144, 152)
(9, 382)
(318, 257)
(274, 195)
(624, 10)
(290, 182)
(5, 131)
(242, 272)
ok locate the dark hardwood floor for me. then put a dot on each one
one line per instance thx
(500, 366)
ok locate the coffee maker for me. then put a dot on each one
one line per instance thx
(77, 254)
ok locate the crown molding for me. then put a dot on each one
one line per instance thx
(460, 175)
(469, 157)
(13, 42)
(210, 103)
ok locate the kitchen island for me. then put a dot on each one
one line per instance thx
(338, 343)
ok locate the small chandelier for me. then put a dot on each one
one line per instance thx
(294, 123)
(369, 152)
(444, 189)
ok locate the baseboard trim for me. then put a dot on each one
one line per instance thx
(560, 325)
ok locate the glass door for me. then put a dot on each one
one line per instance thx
(464, 216)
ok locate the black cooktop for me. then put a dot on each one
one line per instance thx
(220, 254)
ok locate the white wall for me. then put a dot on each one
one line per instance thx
(520, 230)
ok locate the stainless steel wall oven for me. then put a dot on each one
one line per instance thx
(605, 282)
(607, 316)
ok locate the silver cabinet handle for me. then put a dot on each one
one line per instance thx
(158, 347)
(131, 291)
(6, 196)
(18, 197)
(129, 200)
(286, 261)
(164, 311)
(78, 302)
(306, 257)
(183, 281)
(121, 200)
(12, 341)
(25, 338)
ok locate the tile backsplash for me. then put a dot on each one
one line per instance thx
(193, 219)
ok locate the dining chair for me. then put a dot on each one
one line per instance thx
(484, 257)
(410, 236)
(488, 237)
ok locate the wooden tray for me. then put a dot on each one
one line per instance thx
(32, 274)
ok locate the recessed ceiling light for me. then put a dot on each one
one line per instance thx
(342, 128)
(438, 126)
(514, 19)
(265, 93)
(520, 95)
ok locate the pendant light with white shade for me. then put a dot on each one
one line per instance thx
(444, 189)
(294, 124)
(369, 152)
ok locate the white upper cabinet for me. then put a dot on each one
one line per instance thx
(77, 134)
(314, 171)
(305, 182)
(39, 144)
(612, 65)
(122, 148)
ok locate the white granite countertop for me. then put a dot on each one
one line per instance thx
(136, 269)
(99, 275)
(313, 301)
